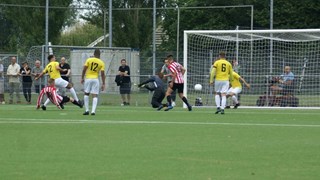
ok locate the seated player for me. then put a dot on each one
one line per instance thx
(51, 92)
(235, 89)
(158, 88)
(285, 81)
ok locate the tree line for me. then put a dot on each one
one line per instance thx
(23, 27)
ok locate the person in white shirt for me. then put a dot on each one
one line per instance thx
(13, 73)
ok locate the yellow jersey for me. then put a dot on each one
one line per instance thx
(223, 70)
(52, 70)
(94, 65)
(235, 83)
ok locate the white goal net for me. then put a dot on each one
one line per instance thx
(259, 56)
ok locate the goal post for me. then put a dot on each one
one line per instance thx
(261, 56)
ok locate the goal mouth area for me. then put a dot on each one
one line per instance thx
(258, 56)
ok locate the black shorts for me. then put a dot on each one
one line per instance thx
(178, 87)
(125, 88)
(65, 99)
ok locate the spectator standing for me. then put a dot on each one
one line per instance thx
(14, 80)
(35, 72)
(65, 74)
(2, 101)
(125, 87)
(25, 72)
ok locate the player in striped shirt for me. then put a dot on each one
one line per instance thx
(53, 69)
(176, 83)
(51, 92)
(222, 73)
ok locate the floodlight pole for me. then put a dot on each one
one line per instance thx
(154, 38)
(178, 33)
(47, 28)
(110, 23)
(104, 27)
(271, 36)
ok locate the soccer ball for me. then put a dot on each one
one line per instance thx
(198, 87)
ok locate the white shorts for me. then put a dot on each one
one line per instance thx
(221, 86)
(61, 83)
(235, 91)
(91, 86)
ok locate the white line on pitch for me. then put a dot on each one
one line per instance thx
(65, 121)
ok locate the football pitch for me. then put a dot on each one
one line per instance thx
(142, 143)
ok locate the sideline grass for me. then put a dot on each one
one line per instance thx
(141, 143)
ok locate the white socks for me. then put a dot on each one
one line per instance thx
(47, 102)
(218, 101)
(234, 99)
(74, 94)
(86, 102)
(94, 104)
(223, 102)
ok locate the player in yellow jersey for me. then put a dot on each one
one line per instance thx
(53, 69)
(236, 88)
(221, 74)
(90, 78)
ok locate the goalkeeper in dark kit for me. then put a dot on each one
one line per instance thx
(155, 84)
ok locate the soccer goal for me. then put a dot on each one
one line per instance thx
(259, 56)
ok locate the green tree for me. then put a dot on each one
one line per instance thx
(131, 27)
(287, 15)
(81, 35)
(25, 26)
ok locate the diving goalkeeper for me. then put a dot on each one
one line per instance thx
(155, 83)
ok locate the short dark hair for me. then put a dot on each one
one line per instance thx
(170, 56)
(222, 53)
(97, 53)
(123, 60)
(50, 57)
(160, 75)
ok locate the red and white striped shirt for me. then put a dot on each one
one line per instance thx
(51, 93)
(176, 69)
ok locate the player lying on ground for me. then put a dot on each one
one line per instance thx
(53, 69)
(51, 92)
(236, 89)
(155, 83)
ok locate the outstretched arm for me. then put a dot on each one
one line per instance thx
(84, 70)
(248, 85)
(212, 74)
(40, 75)
(151, 79)
(103, 76)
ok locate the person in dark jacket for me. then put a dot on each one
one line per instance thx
(25, 72)
(155, 84)
(125, 86)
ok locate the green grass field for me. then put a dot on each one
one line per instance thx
(141, 143)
